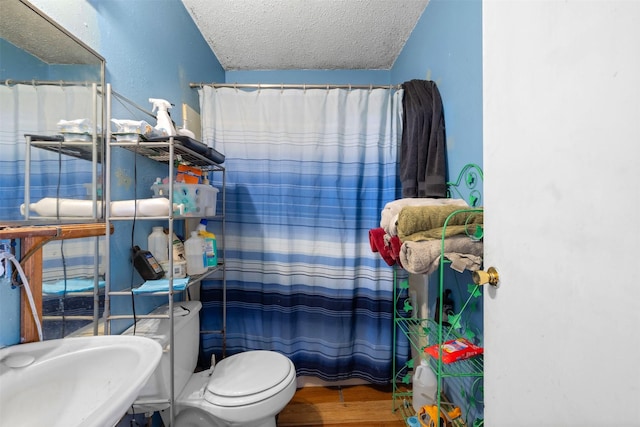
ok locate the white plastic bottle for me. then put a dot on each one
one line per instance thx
(178, 249)
(425, 386)
(196, 257)
(157, 244)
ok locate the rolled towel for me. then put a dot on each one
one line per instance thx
(396, 245)
(426, 222)
(389, 214)
(424, 257)
(376, 239)
(378, 244)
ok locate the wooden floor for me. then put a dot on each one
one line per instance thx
(351, 406)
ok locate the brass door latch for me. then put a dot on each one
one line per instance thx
(490, 276)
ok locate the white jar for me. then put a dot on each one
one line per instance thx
(196, 256)
(157, 244)
(425, 386)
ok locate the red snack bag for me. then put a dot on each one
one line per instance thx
(455, 350)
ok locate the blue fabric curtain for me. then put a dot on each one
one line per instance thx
(308, 173)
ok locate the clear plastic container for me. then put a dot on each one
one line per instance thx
(196, 199)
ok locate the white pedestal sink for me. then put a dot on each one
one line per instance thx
(87, 381)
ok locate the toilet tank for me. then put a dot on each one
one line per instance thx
(186, 344)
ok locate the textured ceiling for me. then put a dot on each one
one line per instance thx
(306, 34)
(22, 26)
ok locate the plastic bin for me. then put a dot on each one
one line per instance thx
(198, 199)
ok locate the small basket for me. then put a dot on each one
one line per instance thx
(198, 199)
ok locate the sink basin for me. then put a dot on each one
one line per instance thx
(86, 381)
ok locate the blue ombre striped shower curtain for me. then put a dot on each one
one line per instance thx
(308, 172)
(36, 109)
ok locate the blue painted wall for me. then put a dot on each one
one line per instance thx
(446, 47)
(9, 307)
(153, 49)
(16, 64)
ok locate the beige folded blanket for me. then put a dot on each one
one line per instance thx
(389, 215)
(424, 257)
(417, 223)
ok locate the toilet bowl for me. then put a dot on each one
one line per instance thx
(247, 389)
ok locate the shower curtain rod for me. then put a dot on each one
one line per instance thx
(9, 82)
(292, 86)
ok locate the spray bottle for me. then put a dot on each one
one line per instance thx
(164, 125)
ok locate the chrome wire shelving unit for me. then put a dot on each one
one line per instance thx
(168, 151)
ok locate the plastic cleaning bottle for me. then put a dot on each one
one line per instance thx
(157, 244)
(425, 386)
(164, 125)
(196, 258)
(210, 245)
(178, 249)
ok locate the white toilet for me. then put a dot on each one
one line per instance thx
(247, 389)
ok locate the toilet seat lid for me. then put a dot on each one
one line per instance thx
(249, 377)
